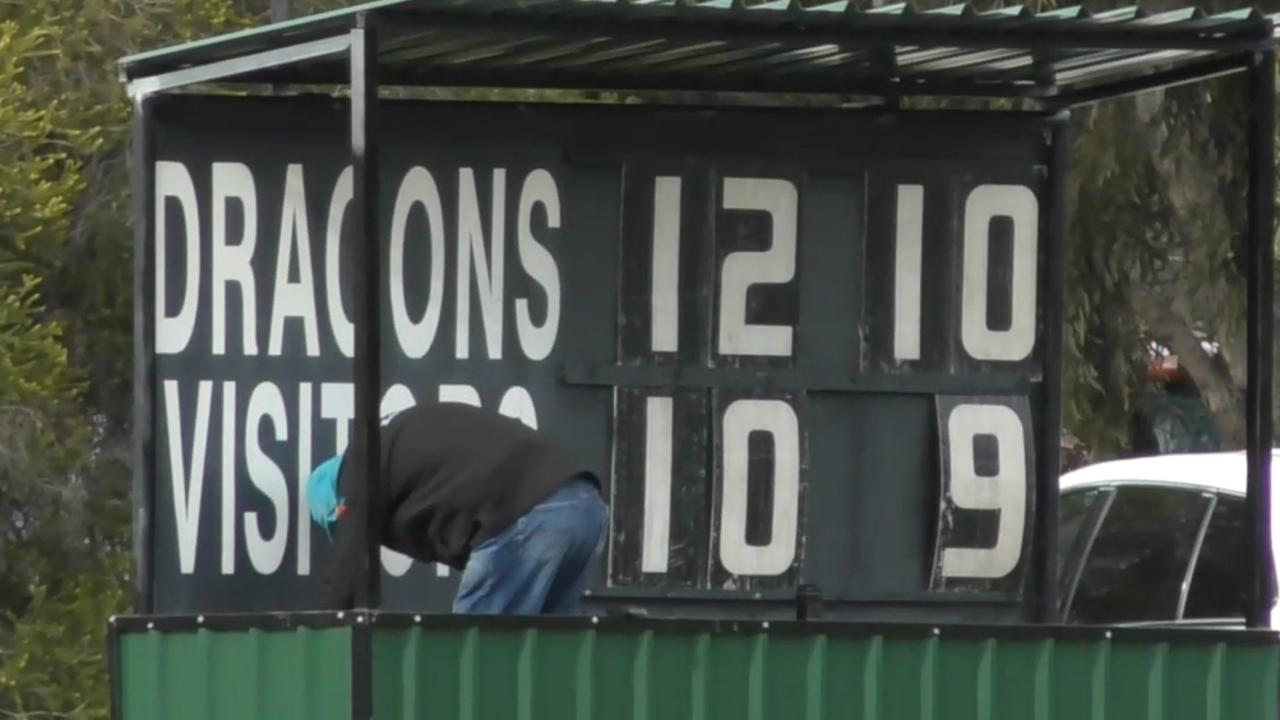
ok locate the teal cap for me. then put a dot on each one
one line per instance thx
(322, 493)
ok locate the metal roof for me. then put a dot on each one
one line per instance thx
(773, 46)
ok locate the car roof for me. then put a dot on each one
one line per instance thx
(1220, 471)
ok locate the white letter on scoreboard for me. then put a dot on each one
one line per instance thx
(229, 476)
(664, 294)
(233, 263)
(459, 393)
(539, 189)
(908, 267)
(659, 429)
(516, 403)
(418, 188)
(343, 330)
(985, 203)
(1006, 491)
(777, 418)
(338, 403)
(172, 180)
(304, 472)
(187, 496)
(266, 554)
(488, 266)
(745, 268)
(294, 300)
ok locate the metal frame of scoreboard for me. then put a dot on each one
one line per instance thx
(1069, 61)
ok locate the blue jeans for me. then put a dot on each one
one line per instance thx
(539, 564)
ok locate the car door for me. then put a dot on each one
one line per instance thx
(1133, 547)
(1220, 579)
(1079, 512)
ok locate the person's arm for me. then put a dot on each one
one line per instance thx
(347, 546)
(348, 542)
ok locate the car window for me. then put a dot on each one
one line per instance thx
(1136, 566)
(1073, 512)
(1220, 578)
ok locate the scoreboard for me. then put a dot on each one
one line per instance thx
(800, 347)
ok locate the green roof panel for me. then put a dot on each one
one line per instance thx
(960, 10)
(832, 7)
(894, 9)
(1066, 13)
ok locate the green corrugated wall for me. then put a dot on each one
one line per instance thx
(300, 674)
(504, 672)
(561, 675)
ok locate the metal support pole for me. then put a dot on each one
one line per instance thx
(144, 345)
(1046, 540)
(368, 286)
(280, 10)
(366, 447)
(1260, 331)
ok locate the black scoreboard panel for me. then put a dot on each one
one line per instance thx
(801, 347)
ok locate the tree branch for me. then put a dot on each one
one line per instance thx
(1221, 396)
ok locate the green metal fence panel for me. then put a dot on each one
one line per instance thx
(512, 669)
(646, 674)
(300, 673)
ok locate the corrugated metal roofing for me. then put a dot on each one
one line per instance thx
(776, 45)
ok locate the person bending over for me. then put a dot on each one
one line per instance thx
(480, 492)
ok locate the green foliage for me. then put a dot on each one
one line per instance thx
(65, 335)
(68, 68)
(54, 661)
(1156, 247)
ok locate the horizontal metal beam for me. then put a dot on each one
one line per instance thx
(643, 81)
(482, 77)
(1168, 78)
(790, 379)
(325, 48)
(284, 622)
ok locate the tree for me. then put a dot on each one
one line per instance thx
(65, 336)
(1157, 256)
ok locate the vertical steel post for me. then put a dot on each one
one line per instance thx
(144, 234)
(115, 671)
(1048, 462)
(365, 447)
(368, 288)
(1261, 331)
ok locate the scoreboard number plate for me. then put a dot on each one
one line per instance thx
(987, 487)
(739, 527)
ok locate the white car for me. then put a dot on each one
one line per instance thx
(1155, 540)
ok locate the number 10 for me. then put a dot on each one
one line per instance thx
(740, 419)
